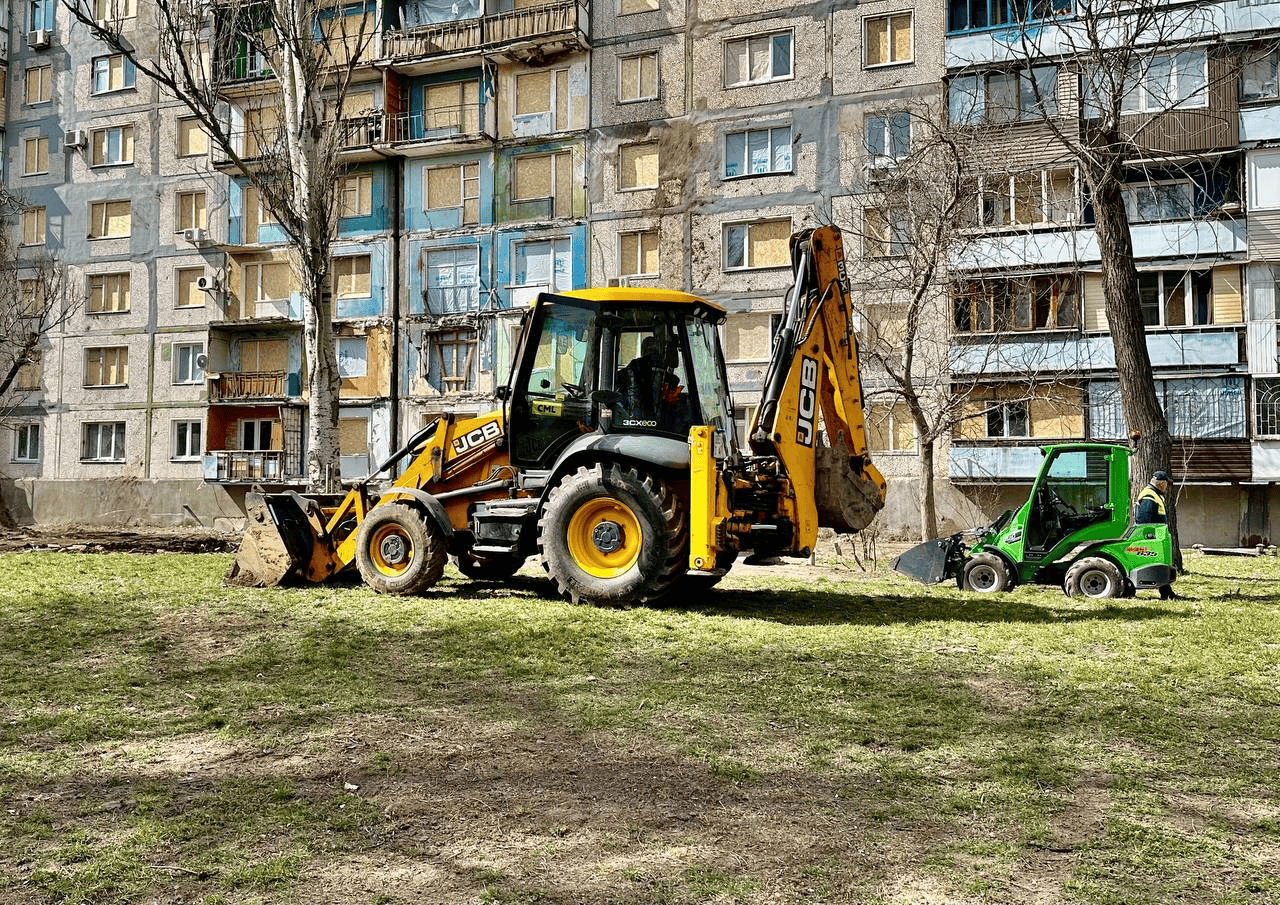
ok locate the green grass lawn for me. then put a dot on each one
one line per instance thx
(819, 735)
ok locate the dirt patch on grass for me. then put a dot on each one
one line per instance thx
(96, 539)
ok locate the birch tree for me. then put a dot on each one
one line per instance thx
(285, 142)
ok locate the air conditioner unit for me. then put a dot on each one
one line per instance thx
(196, 236)
(202, 361)
(207, 284)
(74, 138)
(38, 38)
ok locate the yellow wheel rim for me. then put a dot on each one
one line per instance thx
(391, 550)
(604, 538)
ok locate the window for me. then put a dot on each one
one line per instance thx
(102, 441)
(890, 428)
(453, 280)
(1167, 80)
(40, 14)
(1259, 73)
(1264, 180)
(451, 108)
(638, 77)
(188, 364)
(114, 9)
(108, 293)
(266, 281)
(261, 130)
(546, 265)
(189, 211)
(887, 39)
(638, 166)
(889, 136)
(1196, 407)
(35, 155)
(454, 187)
(1034, 303)
(187, 293)
(1176, 298)
(757, 151)
(357, 195)
(1003, 96)
(966, 15)
(187, 443)
(111, 146)
(112, 73)
(193, 140)
(886, 232)
(543, 93)
(542, 177)
(109, 219)
(762, 58)
(353, 356)
(29, 374)
(26, 443)
(33, 226)
(1150, 201)
(106, 367)
(1008, 419)
(256, 433)
(754, 245)
(638, 253)
(39, 85)
(627, 7)
(1032, 198)
(453, 360)
(352, 276)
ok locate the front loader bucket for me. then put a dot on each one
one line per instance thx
(848, 496)
(927, 562)
(277, 544)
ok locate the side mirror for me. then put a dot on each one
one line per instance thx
(502, 393)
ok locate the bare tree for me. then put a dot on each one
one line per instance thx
(924, 278)
(34, 303)
(286, 141)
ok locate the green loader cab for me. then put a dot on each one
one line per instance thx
(1073, 531)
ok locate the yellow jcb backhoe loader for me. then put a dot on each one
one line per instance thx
(613, 456)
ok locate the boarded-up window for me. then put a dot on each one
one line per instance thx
(353, 436)
(33, 226)
(638, 166)
(627, 7)
(190, 213)
(452, 108)
(111, 146)
(193, 141)
(352, 276)
(638, 252)
(452, 187)
(753, 245)
(186, 293)
(108, 292)
(890, 428)
(270, 280)
(36, 155)
(749, 336)
(39, 85)
(533, 92)
(638, 77)
(533, 174)
(109, 219)
(357, 195)
(106, 367)
(262, 130)
(264, 355)
(1228, 299)
(888, 39)
(886, 232)
(761, 58)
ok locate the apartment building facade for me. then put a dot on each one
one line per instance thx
(496, 150)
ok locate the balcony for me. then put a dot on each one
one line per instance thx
(253, 386)
(521, 34)
(439, 125)
(250, 466)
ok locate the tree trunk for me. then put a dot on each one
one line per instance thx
(1143, 412)
(928, 501)
(323, 385)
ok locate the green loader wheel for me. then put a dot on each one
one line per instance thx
(986, 573)
(1095, 578)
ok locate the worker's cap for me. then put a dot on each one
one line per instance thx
(1160, 476)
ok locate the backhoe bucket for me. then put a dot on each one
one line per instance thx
(277, 543)
(848, 499)
(927, 562)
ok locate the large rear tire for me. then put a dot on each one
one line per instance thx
(399, 550)
(986, 573)
(611, 536)
(1095, 578)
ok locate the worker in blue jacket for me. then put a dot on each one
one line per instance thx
(1149, 509)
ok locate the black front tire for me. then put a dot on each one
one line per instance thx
(611, 536)
(986, 573)
(399, 550)
(1095, 578)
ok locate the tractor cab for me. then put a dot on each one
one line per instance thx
(1075, 498)
(619, 361)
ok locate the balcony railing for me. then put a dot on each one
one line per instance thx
(245, 385)
(435, 124)
(546, 21)
(231, 466)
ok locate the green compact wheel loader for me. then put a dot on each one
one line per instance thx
(1073, 531)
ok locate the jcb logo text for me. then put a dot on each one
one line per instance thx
(487, 431)
(808, 402)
